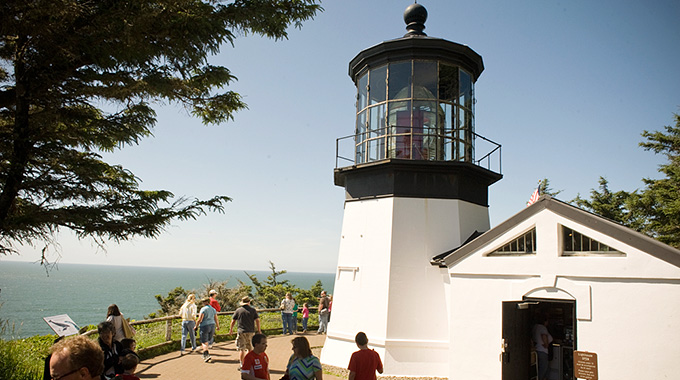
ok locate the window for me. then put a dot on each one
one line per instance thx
(523, 245)
(575, 243)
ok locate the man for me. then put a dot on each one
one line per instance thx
(542, 340)
(324, 313)
(208, 323)
(216, 305)
(256, 363)
(248, 319)
(79, 357)
(364, 363)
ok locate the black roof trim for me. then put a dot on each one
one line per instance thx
(605, 226)
(437, 259)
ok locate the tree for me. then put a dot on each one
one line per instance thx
(228, 298)
(618, 206)
(545, 189)
(659, 202)
(170, 305)
(78, 78)
(268, 294)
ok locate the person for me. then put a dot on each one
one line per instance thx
(248, 320)
(114, 316)
(129, 363)
(542, 340)
(305, 317)
(111, 349)
(208, 323)
(216, 305)
(188, 314)
(364, 363)
(324, 304)
(129, 347)
(330, 306)
(287, 314)
(295, 313)
(213, 300)
(76, 356)
(256, 362)
(302, 365)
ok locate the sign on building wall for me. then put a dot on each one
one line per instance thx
(585, 365)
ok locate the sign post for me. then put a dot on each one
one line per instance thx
(585, 365)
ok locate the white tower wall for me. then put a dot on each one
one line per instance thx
(386, 286)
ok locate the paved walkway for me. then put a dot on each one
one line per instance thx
(225, 362)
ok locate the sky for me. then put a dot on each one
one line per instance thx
(568, 88)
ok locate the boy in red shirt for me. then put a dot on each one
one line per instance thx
(364, 363)
(256, 363)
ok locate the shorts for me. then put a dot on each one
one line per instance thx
(207, 332)
(244, 341)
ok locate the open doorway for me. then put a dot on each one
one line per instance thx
(518, 319)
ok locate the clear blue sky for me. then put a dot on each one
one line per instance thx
(567, 89)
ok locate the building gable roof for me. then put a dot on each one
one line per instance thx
(605, 226)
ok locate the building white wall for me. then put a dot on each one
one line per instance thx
(386, 287)
(628, 308)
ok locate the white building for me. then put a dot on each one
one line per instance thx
(438, 293)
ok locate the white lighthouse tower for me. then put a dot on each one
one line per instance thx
(414, 190)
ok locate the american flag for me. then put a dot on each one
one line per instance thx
(534, 198)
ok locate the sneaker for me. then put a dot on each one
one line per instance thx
(181, 353)
(208, 359)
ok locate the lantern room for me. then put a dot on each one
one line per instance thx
(415, 97)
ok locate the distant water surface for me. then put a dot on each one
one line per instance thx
(84, 292)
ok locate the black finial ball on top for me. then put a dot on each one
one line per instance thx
(415, 16)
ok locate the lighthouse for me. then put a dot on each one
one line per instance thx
(415, 187)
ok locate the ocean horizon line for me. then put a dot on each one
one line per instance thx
(56, 264)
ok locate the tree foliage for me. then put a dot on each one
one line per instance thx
(270, 292)
(659, 202)
(619, 206)
(171, 303)
(655, 209)
(79, 77)
(545, 189)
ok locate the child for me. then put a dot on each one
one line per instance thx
(305, 317)
(129, 363)
(129, 347)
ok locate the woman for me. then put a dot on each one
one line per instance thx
(112, 350)
(188, 314)
(287, 305)
(302, 365)
(114, 316)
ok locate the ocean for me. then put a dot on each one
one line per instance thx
(84, 292)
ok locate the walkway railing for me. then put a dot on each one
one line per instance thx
(173, 327)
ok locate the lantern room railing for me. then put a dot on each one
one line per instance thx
(417, 144)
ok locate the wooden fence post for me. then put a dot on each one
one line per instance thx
(168, 330)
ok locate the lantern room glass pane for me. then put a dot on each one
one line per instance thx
(424, 79)
(376, 120)
(448, 82)
(360, 137)
(448, 130)
(465, 95)
(399, 121)
(362, 96)
(378, 84)
(426, 142)
(399, 80)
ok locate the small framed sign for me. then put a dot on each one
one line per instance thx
(62, 324)
(585, 365)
